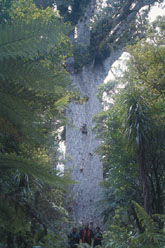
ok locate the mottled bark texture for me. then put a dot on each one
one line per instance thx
(81, 144)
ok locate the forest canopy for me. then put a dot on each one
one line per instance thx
(38, 50)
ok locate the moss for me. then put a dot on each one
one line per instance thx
(82, 56)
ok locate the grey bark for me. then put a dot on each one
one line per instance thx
(81, 143)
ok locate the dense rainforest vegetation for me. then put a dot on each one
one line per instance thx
(35, 88)
(132, 131)
(34, 91)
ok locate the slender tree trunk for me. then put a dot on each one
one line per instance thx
(145, 182)
(159, 206)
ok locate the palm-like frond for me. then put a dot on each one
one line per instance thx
(137, 120)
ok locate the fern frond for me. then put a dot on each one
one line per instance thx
(18, 77)
(28, 40)
(31, 167)
(145, 220)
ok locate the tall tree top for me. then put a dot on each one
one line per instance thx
(101, 26)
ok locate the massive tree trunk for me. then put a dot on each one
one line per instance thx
(81, 144)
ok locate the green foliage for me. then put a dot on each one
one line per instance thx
(27, 40)
(137, 119)
(147, 60)
(132, 133)
(4, 7)
(108, 89)
(153, 235)
(118, 234)
(113, 25)
(34, 92)
(82, 57)
(121, 182)
(128, 236)
(37, 169)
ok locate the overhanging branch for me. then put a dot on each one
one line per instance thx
(113, 29)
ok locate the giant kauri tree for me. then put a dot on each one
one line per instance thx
(101, 30)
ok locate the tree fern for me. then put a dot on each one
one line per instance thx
(34, 87)
(28, 40)
(28, 84)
